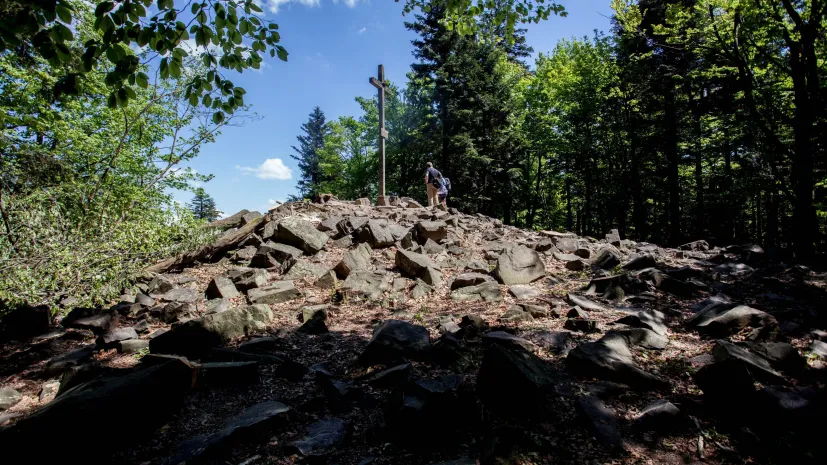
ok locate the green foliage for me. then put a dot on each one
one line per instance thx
(84, 188)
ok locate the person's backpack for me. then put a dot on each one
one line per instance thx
(447, 184)
(435, 179)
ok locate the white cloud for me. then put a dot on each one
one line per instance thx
(272, 168)
(275, 5)
(349, 3)
(362, 31)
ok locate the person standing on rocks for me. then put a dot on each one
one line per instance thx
(433, 181)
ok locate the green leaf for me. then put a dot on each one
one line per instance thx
(255, 7)
(103, 8)
(142, 80)
(112, 100)
(218, 117)
(193, 99)
(282, 53)
(64, 14)
(207, 100)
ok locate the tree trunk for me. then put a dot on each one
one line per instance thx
(672, 173)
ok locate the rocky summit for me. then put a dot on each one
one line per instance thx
(345, 333)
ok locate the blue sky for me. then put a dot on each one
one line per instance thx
(334, 46)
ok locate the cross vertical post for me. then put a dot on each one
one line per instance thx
(379, 83)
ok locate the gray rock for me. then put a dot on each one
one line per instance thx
(641, 261)
(130, 346)
(315, 320)
(322, 437)
(432, 248)
(413, 264)
(759, 366)
(607, 258)
(583, 252)
(565, 257)
(566, 244)
(277, 292)
(358, 259)
(160, 285)
(432, 277)
(601, 420)
(519, 265)
(395, 342)
(343, 242)
(722, 320)
(9, 398)
(650, 319)
(91, 319)
(610, 359)
(276, 255)
(348, 226)
(516, 314)
(576, 265)
(328, 224)
(524, 292)
(695, 246)
(558, 342)
(421, 289)
(368, 284)
(375, 234)
(305, 269)
(508, 340)
(156, 392)
(515, 382)
(733, 268)
(195, 337)
(253, 421)
(120, 334)
(327, 280)
(585, 303)
(470, 279)
(477, 266)
(488, 292)
(433, 230)
(661, 415)
(392, 377)
(301, 234)
(643, 337)
(48, 391)
(221, 287)
(252, 279)
(183, 295)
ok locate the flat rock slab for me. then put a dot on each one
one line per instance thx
(277, 292)
(559, 342)
(470, 279)
(565, 257)
(488, 292)
(654, 320)
(322, 437)
(413, 264)
(119, 334)
(183, 294)
(251, 424)
(507, 340)
(9, 398)
(367, 284)
(524, 292)
(585, 303)
(723, 320)
(305, 269)
(358, 259)
(759, 366)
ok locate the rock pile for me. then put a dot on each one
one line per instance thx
(350, 333)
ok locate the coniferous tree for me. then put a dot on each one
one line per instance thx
(308, 152)
(203, 206)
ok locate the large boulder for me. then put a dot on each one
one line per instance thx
(196, 337)
(222, 287)
(610, 359)
(301, 234)
(274, 293)
(725, 319)
(357, 259)
(601, 421)
(375, 234)
(519, 265)
(514, 381)
(395, 342)
(155, 394)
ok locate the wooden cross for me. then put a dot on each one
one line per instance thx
(379, 83)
